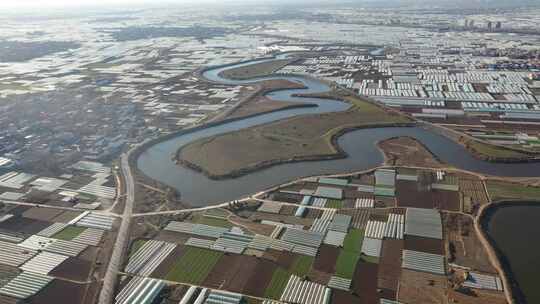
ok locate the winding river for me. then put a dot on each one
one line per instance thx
(197, 189)
(360, 145)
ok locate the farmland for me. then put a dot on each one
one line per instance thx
(194, 266)
(213, 221)
(69, 233)
(277, 284)
(301, 265)
(500, 190)
(346, 263)
(336, 204)
(353, 240)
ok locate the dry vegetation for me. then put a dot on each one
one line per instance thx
(258, 103)
(256, 70)
(407, 151)
(297, 138)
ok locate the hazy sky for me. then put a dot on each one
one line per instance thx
(66, 3)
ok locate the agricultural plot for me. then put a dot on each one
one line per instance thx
(232, 272)
(353, 240)
(69, 233)
(474, 189)
(42, 214)
(136, 246)
(301, 265)
(346, 263)
(214, 221)
(390, 266)
(194, 266)
(279, 281)
(499, 190)
(422, 287)
(359, 217)
(260, 278)
(364, 283)
(334, 203)
(326, 259)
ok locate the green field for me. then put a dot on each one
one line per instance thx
(194, 266)
(353, 240)
(301, 265)
(69, 233)
(213, 221)
(346, 263)
(277, 284)
(499, 190)
(334, 203)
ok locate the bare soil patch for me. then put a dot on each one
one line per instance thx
(73, 269)
(407, 151)
(342, 297)
(260, 278)
(421, 287)
(390, 265)
(58, 291)
(326, 259)
(66, 216)
(42, 214)
(480, 297)
(24, 225)
(231, 272)
(364, 282)
(286, 259)
(423, 244)
(463, 245)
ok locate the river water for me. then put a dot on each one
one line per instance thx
(514, 229)
(195, 188)
(515, 233)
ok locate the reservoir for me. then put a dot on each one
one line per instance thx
(514, 231)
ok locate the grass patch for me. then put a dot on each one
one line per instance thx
(302, 265)
(499, 190)
(212, 221)
(194, 266)
(217, 213)
(277, 284)
(69, 233)
(353, 240)
(136, 246)
(346, 263)
(494, 151)
(334, 203)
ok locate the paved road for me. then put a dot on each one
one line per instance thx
(122, 239)
(174, 212)
(39, 205)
